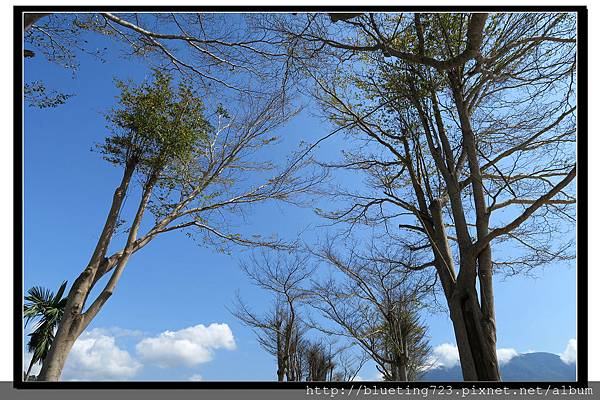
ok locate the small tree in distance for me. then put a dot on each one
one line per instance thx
(376, 304)
(279, 331)
(282, 330)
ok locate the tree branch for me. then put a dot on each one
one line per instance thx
(481, 243)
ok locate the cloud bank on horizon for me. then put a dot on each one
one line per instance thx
(96, 356)
(445, 355)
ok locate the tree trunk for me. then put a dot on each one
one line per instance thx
(68, 331)
(402, 376)
(479, 338)
(71, 324)
(59, 351)
(474, 325)
(280, 374)
(281, 370)
(477, 353)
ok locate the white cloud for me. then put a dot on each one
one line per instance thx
(505, 355)
(195, 378)
(96, 356)
(569, 356)
(190, 346)
(444, 355)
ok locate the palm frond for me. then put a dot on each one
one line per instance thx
(39, 295)
(48, 308)
(58, 297)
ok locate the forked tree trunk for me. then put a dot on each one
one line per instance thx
(281, 369)
(73, 322)
(478, 341)
(475, 341)
(474, 324)
(399, 355)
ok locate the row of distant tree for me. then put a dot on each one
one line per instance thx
(369, 310)
(463, 126)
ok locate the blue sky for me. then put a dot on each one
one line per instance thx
(174, 284)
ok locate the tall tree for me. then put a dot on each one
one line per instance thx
(48, 308)
(466, 125)
(193, 176)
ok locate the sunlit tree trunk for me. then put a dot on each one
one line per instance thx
(74, 320)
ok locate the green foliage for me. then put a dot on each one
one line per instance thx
(48, 309)
(444, 34)
(222, 112)
(155, 123)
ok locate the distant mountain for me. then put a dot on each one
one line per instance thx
(524, 367)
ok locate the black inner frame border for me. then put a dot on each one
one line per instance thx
(581, 188)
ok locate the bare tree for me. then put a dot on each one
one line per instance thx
(320, 360)
(280, 330)
(460, 156)
(348, 363)
(195, 174)
(310, 360)
(376, 304)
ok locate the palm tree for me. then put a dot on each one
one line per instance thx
(48, 309)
